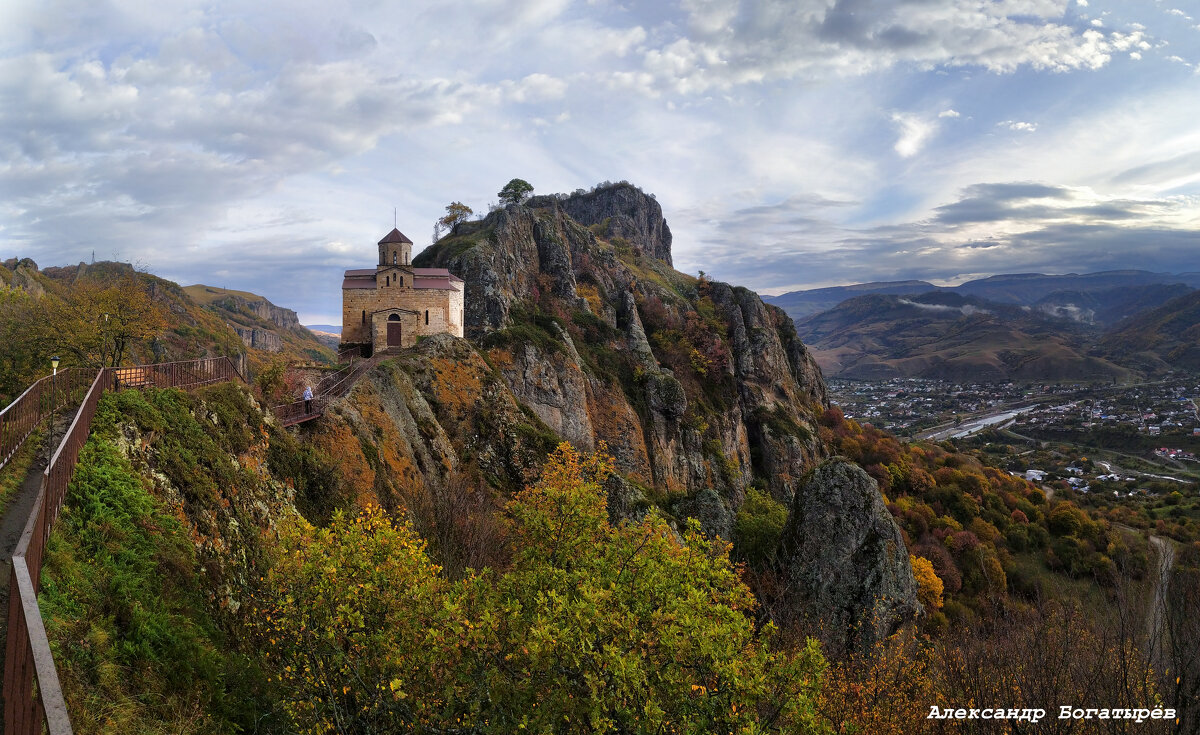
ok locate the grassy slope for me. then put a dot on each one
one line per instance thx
(152, 556)
(299, 344)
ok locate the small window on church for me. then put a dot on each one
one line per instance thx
(387, 281)
(427, 317)
(393, 257)
(401, 281)
(364, 317)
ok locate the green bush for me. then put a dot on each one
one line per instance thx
(135, 643)
(758, 526)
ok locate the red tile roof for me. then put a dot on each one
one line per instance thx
(395, 236)
(442, 283)
(439, 278)
(435, 273)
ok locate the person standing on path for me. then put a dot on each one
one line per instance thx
(308, 398)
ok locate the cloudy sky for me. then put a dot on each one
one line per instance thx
(791, 143)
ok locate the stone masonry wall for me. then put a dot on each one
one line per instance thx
(445, 313)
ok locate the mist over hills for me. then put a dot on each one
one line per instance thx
(1012, 288)
(952, 337)
(1024, 326)
(1165, 338)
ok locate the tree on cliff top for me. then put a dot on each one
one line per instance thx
(455, 212)
(515, 191)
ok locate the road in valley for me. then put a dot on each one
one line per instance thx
(972, 425)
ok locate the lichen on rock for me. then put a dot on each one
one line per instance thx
(843, 558)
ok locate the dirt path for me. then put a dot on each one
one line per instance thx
(16, 515)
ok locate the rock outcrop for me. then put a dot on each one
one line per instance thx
(263, 327)
(619, 211)
(260, 308)
(22, 273)
(692, 384)
(843, 557)
(259, 339)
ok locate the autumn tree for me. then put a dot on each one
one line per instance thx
(101, 324)
(515, 191)
(455, 212)
(929, 585)
(595, 627)
(21, 357)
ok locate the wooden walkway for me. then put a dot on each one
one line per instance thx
(33, 701)
(333, 386)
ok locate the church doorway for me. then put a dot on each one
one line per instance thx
(394, 328)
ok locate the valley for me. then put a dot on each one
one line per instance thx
(1027, 328)
(1153, 424)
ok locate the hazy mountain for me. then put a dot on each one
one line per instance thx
(1028, 289)
(950, 336)
(1166, 338)
(1108, 307)
(799, 304)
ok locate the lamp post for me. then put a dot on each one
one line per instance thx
(54, 364)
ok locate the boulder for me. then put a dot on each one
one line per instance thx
(844, 561)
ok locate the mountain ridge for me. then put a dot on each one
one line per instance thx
(1016, 288)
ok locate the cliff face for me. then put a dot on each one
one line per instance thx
(692, 384)
(618, 211)
(262, 326)
(697, 388)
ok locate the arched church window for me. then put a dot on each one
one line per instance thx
(364, 316)
(427, 317)
(393, 257)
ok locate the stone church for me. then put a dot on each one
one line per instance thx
(392, 304)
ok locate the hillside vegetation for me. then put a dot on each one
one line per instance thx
(945, 336)
(624, 504)
(107, 314)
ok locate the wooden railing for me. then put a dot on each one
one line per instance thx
(32, 694)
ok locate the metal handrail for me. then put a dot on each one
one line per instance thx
(332, 385)
(19, 419)
(28, 656)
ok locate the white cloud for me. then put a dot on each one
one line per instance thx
(537, 88)
(914, 133)
(1135, 56)
(732, 43)
(280, 136)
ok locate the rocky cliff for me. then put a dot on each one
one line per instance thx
(845, 560)
(262, 326)
(618, 212)
(693, 384)
(699, 389)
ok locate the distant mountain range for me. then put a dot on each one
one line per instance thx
(1099, 327)
(1014, 288)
